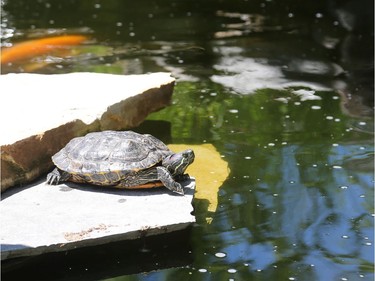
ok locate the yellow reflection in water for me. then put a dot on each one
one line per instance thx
(209, 171)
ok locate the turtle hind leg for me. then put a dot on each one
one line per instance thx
(166, 178)
(57, 176)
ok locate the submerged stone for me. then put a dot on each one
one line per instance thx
(209, 170)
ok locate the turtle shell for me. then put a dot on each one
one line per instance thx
(110, 152)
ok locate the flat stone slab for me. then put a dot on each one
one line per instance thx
(41, 218)
(41, 113)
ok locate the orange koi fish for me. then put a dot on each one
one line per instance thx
(31, 48)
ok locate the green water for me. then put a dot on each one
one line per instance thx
(284, 91)
(299, 199)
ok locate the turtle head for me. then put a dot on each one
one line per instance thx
(178, 162)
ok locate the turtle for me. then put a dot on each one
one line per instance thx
(121, 159)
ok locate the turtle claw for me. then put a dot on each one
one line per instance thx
(176, 188)
(55, 177)
(179, 189)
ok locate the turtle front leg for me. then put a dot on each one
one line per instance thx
(166, 178)
(57, 176)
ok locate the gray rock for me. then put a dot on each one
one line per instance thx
(41, 218)
(41, 113)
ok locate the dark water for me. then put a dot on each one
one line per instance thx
(283, 90)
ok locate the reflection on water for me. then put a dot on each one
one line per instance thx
(299, 199)
(294, 208)
(283, 91)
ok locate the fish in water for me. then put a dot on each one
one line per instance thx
(31, 48)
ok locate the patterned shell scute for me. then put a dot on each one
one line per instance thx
(110, 151)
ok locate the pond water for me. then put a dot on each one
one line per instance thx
(284, 92)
